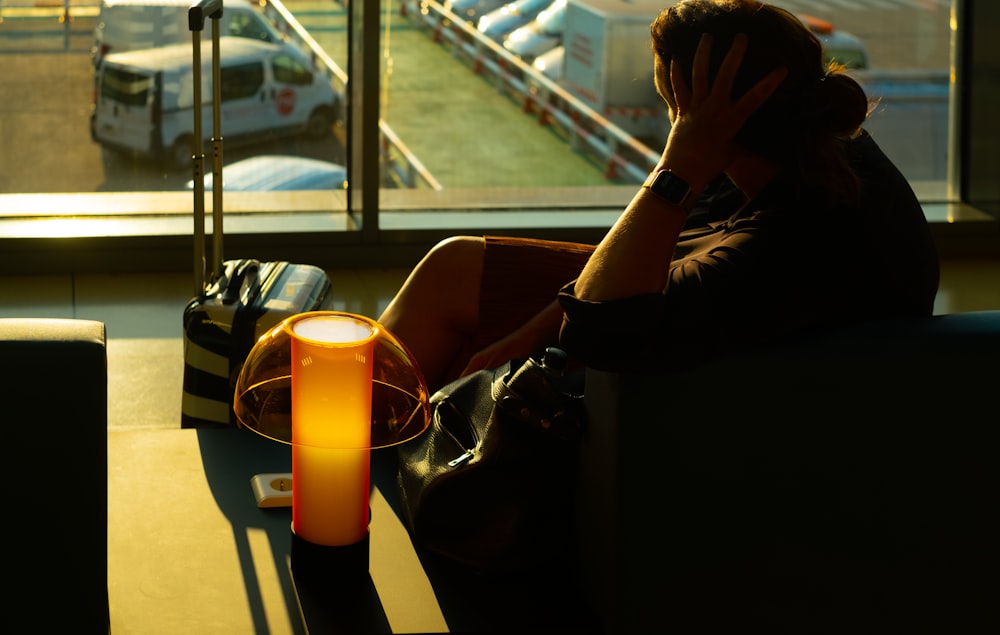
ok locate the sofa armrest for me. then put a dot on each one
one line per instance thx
(54, 390)
(838, 480)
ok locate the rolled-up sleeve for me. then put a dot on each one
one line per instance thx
(609, 335)
(788, 262)
(717, 286)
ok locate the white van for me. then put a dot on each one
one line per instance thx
(144, 99)
(838, 46)
(129, 25)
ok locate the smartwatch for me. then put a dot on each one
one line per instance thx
(671, 188)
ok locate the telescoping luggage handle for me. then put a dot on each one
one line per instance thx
(197, 14)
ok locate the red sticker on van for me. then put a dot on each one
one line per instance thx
(285, 101)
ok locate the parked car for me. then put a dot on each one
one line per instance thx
(839, 46)
(540, 35)
(550, 63)
(499, 22)
(278, 172)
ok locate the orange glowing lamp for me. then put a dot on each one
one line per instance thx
(333, 385)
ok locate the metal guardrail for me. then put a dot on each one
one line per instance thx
(625, 158)
(398, 164)
(57, 18)
(64, 10)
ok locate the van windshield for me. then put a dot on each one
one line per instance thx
(244, 25)
(851, 59)
(126, 87)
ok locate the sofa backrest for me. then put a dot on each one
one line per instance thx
(841, 480)
(54, 396)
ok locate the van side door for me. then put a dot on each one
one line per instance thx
(245, 106)
(299, 91)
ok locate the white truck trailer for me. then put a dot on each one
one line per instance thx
(608, 63)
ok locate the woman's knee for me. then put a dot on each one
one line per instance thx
(456, 258)
(459, 248)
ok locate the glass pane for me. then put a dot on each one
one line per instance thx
(521, 96)
(502, 117)
(496, 132)
(100, 93)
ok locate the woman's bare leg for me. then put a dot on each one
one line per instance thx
(436, 311)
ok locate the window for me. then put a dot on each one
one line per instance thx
(446, 131)
(246, 25)
(289, 70)
(131, 89)
(242, 81)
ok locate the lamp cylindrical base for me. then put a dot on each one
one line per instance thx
(330, 564)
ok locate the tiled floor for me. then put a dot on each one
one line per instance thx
(143, 318)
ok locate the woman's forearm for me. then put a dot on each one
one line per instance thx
(634, 256)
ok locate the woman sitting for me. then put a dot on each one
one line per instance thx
(770, 213)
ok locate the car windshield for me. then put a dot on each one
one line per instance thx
(851, 58)
(523, 7)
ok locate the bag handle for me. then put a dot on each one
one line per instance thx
(544, 395)
(196, 23)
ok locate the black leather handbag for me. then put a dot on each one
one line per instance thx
(491, 483)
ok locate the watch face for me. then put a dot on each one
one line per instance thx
(670, 186)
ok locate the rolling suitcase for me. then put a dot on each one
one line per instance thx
(238, 300)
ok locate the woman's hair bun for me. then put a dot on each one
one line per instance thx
(845, 103)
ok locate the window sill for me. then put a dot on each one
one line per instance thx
(152, 231)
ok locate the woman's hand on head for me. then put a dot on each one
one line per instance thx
(706, 117)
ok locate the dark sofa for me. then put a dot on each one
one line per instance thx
(54, 395)
(844, 483)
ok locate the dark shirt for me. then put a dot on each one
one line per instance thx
(784, 264)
